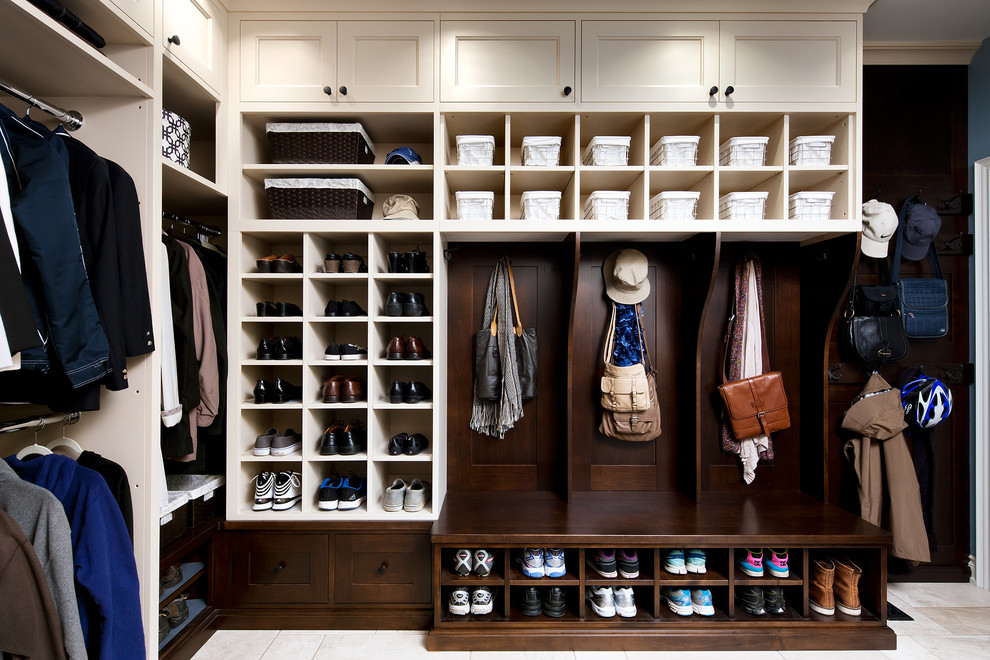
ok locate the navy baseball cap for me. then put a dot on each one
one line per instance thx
(403, 156)
(920, 228)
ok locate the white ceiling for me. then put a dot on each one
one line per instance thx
(927, 20)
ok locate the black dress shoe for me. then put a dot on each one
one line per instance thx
(396, 392)
(266, 308)
(415, 392)
(329, 439)
(332, 308)
(264, 392)
(266, 349)
(416, 443)
(397, 444)
(415, 305)
(351, 308)
(353, 439)
(393, 306)
(416, 262)
(288, 348)
(393, 262)
(286, 391)
(287, 309)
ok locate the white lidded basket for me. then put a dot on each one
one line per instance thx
(749, 151)
(607, 205)
(675, 151)
(475, 150)
(541, 151)
(540, 205)
(810, 205)
(474, 204)
(742, 205)
(811, 150)
(674, 205)
(607, 151)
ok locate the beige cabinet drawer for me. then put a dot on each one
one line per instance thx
(382, 568)
(268, 568)
(193, 33)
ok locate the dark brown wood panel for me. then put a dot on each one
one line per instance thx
(382, 568)
(268, 568)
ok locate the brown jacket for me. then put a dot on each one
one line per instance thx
(877, 420)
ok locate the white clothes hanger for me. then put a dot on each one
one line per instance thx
(66, 445)
(36, 448)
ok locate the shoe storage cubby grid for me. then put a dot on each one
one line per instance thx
(368, 327)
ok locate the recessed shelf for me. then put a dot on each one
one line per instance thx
(383, 178)
(187, 193)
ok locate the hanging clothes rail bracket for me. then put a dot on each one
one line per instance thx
(70, 119)
(209, 230)
(39, 422)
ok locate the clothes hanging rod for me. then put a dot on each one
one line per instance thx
(39, 422)
(206, 229)
(70, 119)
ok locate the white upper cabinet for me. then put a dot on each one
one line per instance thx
(507, 61)
(193, 32)
(141, 12)
(345, 61)
(788, 61)
(648, 60)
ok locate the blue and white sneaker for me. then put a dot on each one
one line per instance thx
(553, 562)
(694, 561)
(674, 562)
(678, 600)
(531, 562)
(701, 602)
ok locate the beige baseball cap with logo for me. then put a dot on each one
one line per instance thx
(879, 226)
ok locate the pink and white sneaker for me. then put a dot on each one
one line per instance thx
(777, 563)
(752, 563)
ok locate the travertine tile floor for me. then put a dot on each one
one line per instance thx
(951, 622)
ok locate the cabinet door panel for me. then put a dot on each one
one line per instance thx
(782, 61)
(288, 60)
(269, 568)
(382, 568)
(198, 24)
(648, 60)
(507, 60)
(141, 12)
(385, 60)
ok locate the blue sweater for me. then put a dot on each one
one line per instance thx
(107, 587)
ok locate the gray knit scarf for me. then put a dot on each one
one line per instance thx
(495, 418)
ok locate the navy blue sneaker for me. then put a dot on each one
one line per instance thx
(352, 492)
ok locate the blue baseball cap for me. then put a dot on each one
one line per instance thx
(403, 156)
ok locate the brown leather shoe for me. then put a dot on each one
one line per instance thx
(332, 388)
(820, 597)
(351, 390)
(415, 350)
(847, 576)
(396, 348)
(266, 264)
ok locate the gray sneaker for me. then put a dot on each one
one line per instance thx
(286, 443)
(417, 495)
(625, 604)
(395, 495)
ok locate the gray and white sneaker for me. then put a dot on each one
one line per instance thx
(481, 601)
(286, 443)
(263, 488)
(459, 603)
(288, 490)
(417, 495)
(395, 496)
(625, 603)
(601, 599)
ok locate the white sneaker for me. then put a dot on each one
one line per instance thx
(481, 601)
(601, 599)
(459, 603)
(395, 496)
(263, 488)
(625, 604)
(288, 490)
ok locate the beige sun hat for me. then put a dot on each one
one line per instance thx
(625, 273)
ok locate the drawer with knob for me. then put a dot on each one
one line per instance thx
(382, 568)
(279, 568)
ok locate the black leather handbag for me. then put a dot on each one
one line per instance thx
(874, 331)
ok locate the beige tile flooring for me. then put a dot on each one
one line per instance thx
(951, 622)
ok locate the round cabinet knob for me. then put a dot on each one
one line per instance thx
(567, 90)
(278, 569)
(174, 39)
(729, 90)
(343, 90)
(383, 568)
(328, 90)
(713, 91)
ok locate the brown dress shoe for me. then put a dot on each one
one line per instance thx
(331, 389)
(415, 350)
(396, 348)
(820, 597)
(351, 390)
(847, 576)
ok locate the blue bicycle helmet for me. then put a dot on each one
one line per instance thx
(927, 402)
(403, 156)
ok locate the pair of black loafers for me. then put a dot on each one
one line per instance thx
(411, 392)
(280, 391)
(406, 304)
(280, 348)
(410, 445)
(268, 308)
(408, 262)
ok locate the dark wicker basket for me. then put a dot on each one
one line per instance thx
(289, 203)
(201, 510)
(328, 146)
(175, 527)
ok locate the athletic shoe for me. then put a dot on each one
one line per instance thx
(483, 562)
(530, 604)
(674, 562)
(553, 562)
(628, 562)
(777, 564)
(701, 602)
(459, 603)
(694, 561)
(417, 495)
(263, 488)
(750, 599)
(394, 496)
(625, 603)
(603, 562)
(329, 492)
(163, 626)
(462, 562)
(531, 562)
(481, 601)
(288, 490)
(177, 611)
(554, 602)
(601, 599)
(773, 599)
(353, 492)
(286, 443)
(752, 563)
(678, 600)
(263, 443)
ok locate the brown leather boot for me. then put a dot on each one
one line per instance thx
(396, 348)
(820, 597)
(415, 350)
(847, 576)
(331, 389)
(351, 390)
